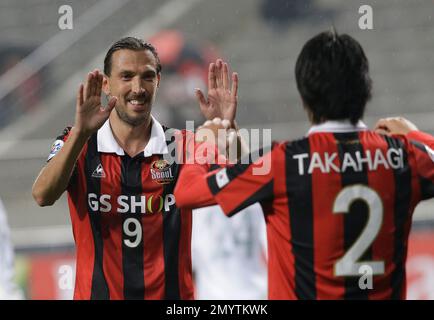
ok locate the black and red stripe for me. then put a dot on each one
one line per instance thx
(111, 225)
(402, 219)
(132, 257)
(99, 289)
(357, 217)
(171, 242)
(299, 193)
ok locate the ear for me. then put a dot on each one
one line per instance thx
(106, 85)
(158, 80)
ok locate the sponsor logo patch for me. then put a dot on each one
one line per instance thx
(137, 204)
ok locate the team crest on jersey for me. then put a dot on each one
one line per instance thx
(161, 172)
(55, 147)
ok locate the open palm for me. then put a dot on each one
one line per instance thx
(222, 97)
(90, 114)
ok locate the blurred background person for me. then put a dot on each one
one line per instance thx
(8, 288)
(185, 68)
(229, 255)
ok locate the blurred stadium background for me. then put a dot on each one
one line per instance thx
(41, 67)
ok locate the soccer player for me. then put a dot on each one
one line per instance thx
(131, 240)
(338, 202)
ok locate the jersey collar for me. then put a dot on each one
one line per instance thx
(156, 144)
(337, 126)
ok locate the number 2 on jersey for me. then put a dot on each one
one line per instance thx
(349, 264)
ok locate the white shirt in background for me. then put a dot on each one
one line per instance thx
(229, 254)
(8, 288)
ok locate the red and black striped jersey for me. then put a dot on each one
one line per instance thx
(132, 241)
(338, 206)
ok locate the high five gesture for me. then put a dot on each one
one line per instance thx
(222, 94)
(90, 114)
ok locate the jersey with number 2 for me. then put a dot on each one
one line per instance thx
(338, 208)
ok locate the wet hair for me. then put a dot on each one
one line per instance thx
(332, 75)
(130, 43)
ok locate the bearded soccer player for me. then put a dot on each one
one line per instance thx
(132, 240)
(338, 202)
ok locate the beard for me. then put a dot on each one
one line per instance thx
(132, 121)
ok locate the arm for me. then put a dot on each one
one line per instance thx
(421, 137)
(222, 103)
(233, 187)
(402, 126)
(424, 158)
(421, 146)
(190, 191)
(53, 179)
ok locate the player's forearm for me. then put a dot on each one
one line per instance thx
(191, 190)
(54, 177)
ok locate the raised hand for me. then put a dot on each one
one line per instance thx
(394, 125)
(222, 95)
(90, 114)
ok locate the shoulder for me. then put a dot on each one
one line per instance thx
(65, 134)
(58, 142)
(293, 146)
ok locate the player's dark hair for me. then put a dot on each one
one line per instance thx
(130, 43)
(332, 74)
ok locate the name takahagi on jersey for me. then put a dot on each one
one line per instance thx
(337, 200)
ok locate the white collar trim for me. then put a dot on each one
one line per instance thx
(338, 126)
(157, 141)
(156, 144)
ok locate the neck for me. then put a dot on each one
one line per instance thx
(133, 139)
